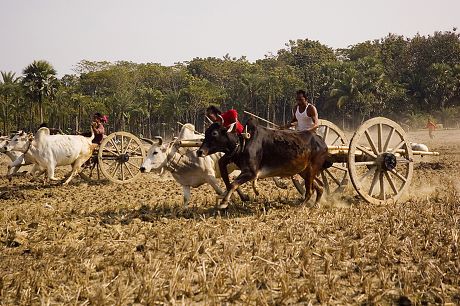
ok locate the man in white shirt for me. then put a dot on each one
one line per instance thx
(304, 114)
(304, 118)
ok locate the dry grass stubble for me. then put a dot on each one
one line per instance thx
(111, 244)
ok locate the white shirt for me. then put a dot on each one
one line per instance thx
(304, 122)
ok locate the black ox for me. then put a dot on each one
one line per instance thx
(267, 153)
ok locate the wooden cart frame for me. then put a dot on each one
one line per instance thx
(117, 159)
(378, 160)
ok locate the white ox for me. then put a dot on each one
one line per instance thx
(12, 155)
(18, 159)
(186, 167)
(49, 151)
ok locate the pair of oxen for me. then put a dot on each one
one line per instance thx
(258, 153)
(46, 152)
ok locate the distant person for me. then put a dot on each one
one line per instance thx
(98, 127)
(431, 126)
(304, 114)
(227, 118)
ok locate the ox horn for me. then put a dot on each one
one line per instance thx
(231, 127)
(150, 141)
(160, 140)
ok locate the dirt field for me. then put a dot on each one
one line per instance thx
(107, 244)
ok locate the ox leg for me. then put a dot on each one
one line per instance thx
(14, 167)
(76, 166)
(254, 187)
(241, 179)
(309, 179)
(12, 171)
(319, 190)
(298, 186)
(50, 171)
(223, 162)
(187, 194)
(244, 197)
(72, 174)
(213, 182)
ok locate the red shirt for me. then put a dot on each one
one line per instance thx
(430, 125)
(230, 117)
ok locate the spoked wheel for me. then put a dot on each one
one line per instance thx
(120, 157)
(380, 161)
(90, 170)
(335, 178)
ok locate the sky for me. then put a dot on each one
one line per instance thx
(65, 32)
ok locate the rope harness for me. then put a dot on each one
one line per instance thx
(174, 157)
(30, 139)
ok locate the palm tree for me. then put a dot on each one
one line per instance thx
(9, 87)
(346, 91)
(40, 82)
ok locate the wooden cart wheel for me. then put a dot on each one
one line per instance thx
(91, 171)
(335, 178)
(380, 161)
(120, 156)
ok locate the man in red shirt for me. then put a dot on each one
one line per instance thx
(227, 118)
(98, 127)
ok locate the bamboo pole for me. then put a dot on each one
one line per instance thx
(345, 148)
(191, 143)
(260, 118)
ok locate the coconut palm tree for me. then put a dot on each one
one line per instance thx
(40, 83)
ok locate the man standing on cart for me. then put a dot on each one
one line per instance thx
(304, 118)
(304, 114)
(98, 127)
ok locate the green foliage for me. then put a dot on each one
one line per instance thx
(40, 83)
(403, 78)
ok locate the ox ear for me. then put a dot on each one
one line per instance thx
(150, 141)
(160, 140)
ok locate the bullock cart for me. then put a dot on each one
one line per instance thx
(378, 160)
(118, 159)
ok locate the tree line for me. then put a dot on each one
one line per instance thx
(406, 79)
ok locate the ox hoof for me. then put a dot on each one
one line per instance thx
(310, 205)
(222, 205)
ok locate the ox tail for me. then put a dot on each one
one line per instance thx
(92, 134)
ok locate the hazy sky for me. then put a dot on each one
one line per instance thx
(65, 31)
